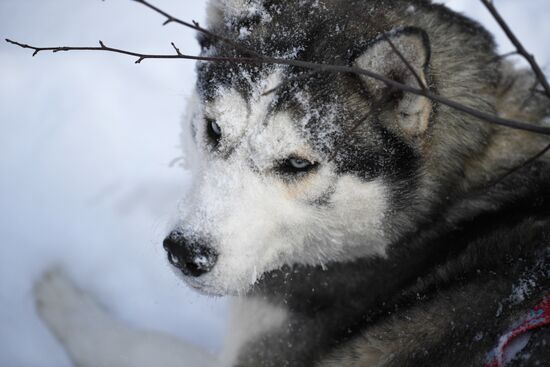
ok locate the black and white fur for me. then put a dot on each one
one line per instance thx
(360, 225)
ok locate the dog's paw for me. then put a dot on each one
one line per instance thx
(63, 307)
(93, 338)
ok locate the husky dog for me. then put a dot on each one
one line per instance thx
(360, 225)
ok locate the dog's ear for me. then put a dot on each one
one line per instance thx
(408, 112)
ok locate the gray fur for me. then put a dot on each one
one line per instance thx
(461, 255)
(458, 245)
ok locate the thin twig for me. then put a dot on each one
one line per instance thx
(519, 46)
(196, 26)
(290, 80)
(529, 98)
(339, 143)
(406, 62)
(313, 66)
(102, 47)
(376, 107)
(508, 54)
(503, 56)
(525, 164)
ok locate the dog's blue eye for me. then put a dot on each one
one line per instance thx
(214, 130)
(298, 163)
(294, 165)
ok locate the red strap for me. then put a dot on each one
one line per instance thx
(538, 317)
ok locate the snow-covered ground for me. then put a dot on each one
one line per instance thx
(85, 152)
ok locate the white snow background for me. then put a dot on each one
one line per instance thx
(86, 143)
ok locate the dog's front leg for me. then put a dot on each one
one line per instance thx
(93, 338)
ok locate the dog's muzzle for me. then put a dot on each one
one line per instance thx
(193, 257)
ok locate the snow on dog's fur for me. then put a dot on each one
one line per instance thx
(360, 224)
(256, 220)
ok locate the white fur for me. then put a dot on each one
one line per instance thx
(93, 338)
(249, 318)
(258, 222)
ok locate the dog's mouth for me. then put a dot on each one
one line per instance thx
(211, 271)
(203, 285)
(219, 283)
(205, 290)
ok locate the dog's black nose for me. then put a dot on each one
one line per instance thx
(193, 257)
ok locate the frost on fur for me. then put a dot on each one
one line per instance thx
(230, 10)
(375, 152)
(255, 221)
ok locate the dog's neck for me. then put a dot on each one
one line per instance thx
(513, 197)
(333, 304)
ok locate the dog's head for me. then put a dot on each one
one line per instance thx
(294, 167)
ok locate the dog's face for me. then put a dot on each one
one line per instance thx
(311, 172)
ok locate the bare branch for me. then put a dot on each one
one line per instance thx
(508, 54)
(377, 106)
(290, 80)
(525, 164)
(101, 47)
(177, 49)
(519, 46)
(529, 98)
(195, 26)
(407, 63)
(312, 66)
(503, 56)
